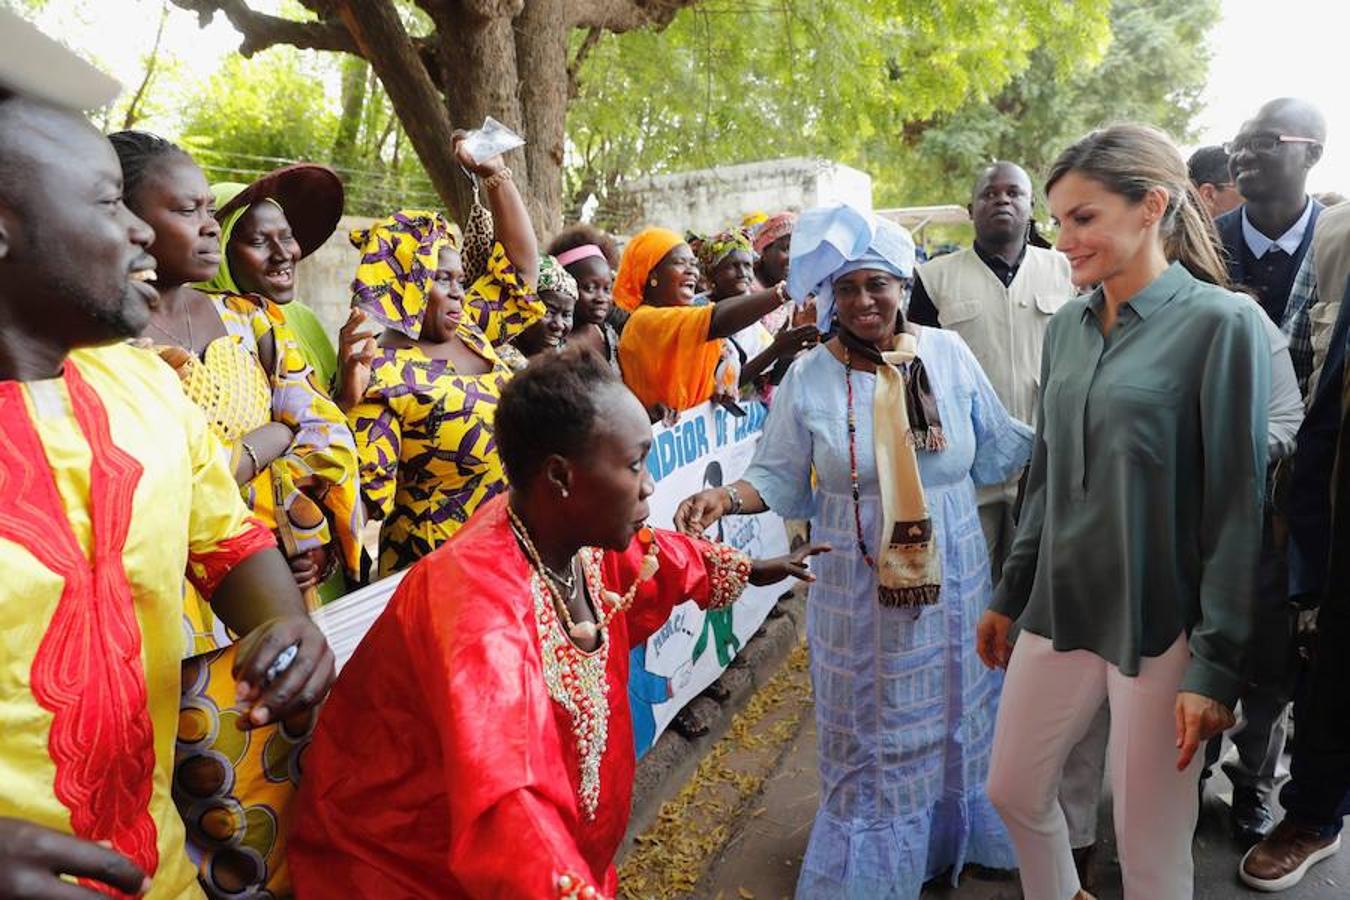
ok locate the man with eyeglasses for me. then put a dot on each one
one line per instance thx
(1208, 169)
(1268, 236)
(1266, 240)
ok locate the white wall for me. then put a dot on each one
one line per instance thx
(708, 200)
(323, 279)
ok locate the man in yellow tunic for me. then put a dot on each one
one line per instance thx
(111, 489)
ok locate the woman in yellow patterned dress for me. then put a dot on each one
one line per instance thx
(421, 399)
(294, 458)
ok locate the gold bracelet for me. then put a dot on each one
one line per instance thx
(497, 179)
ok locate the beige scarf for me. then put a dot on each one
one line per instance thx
(908, 568)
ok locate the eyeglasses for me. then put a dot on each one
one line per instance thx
(1264, 143)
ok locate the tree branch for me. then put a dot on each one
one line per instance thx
(133, 114)
(625, 15)
(261, 31)
(417, 103)
(574, 67)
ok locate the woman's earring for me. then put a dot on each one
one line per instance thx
(652, 282)
(562, 490)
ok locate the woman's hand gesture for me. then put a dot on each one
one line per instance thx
(485, 169)
(701, 511)
(991, 639)
(356, 353)
(775, 569)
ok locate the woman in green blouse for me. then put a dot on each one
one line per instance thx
(1133, 572)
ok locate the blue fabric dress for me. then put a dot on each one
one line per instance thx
(904, 708)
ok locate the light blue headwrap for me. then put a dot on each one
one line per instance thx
(831, 241)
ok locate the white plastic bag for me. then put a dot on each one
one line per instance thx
(493, 139)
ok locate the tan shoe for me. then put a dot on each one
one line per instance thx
(1280, 861)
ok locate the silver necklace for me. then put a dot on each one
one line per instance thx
(191, 342)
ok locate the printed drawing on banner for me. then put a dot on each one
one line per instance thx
(706, 448)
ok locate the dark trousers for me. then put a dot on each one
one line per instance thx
(1318, 794)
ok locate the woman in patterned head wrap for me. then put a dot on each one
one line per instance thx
(421, 398)
(670, 350)
(880, 436)
(558, 291)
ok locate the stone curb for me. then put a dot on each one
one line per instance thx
(663, 771)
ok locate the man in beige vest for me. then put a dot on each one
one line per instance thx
(999, 296)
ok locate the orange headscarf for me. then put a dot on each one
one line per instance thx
(643, 252)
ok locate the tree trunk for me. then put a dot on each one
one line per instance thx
(503, 58)
(354, 70)
(541, 59)
(381, 38)
(479, 77)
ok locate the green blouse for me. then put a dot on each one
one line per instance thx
(1142, 517)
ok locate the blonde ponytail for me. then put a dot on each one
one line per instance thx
(1194, 242)
(1131, 160)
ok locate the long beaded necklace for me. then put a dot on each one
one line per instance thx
(613, 604)
(576, 680)
(853, 463)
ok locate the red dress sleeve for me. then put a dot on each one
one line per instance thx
(710, 574)
(513, 813)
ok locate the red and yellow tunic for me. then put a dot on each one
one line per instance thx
(111, 487)
(469, 749)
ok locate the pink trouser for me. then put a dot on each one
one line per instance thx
(1049, 699)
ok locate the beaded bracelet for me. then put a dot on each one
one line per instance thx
(497, 179)
(737, 504)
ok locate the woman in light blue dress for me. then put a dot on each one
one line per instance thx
(904, 709)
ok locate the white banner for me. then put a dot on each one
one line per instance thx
(707, 447)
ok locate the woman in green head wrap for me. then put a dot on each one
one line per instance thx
(266, 228)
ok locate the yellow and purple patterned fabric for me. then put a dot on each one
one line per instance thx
(234, 789)
(424, 430)
(399, 258)
(309, 495)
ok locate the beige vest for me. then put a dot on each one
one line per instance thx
(1330, 255)
(1003, 326)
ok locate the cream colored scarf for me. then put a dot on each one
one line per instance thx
(904, 417)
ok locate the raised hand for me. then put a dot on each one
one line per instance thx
(356, 353)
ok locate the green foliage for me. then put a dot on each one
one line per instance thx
(284, 105)
(1153, 71)
(256, 111)
(773, 78)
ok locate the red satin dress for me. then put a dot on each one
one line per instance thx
(469, 749)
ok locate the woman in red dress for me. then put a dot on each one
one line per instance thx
(479, 742)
